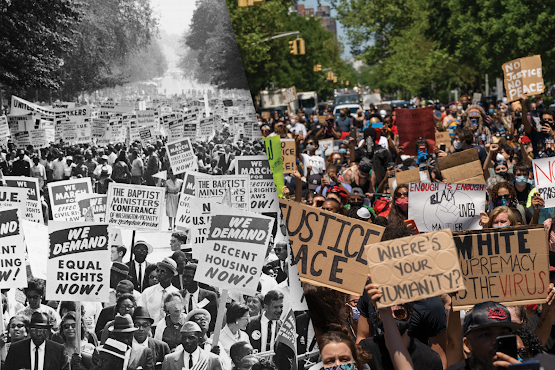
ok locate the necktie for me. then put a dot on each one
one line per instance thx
(162, 312)
(190, 302)
(190, 361)
(36, 358)
(140, 279)
(269, 336)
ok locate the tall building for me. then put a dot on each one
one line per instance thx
(322, 11)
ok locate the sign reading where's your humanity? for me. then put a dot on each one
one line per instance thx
(415, 267)
(13, 273)
(78, 266)
(328, 248)
(235, 249)
(509, 266)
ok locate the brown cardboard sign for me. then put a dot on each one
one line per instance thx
(445, 139)
(288, 151)
(509, 266)
(328, 248)
(463, 172)
(473, 180)
(523, 76)
(406, 177)
(456, 159)
(415, 267)
(266, 115)
(322, 120)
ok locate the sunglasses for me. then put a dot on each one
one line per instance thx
(506, 196)
(319, 203)
(401, 194)
(68, 326)
(17, 326)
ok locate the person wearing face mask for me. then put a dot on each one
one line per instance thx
(310, 159)
(344, 122)
(399, 205)
(298, 128)
(542, 140)
(452, 121)
(475, 117)
(354, 314)
(316, 128)
(522, 185)
(359, 120)
(498, 218)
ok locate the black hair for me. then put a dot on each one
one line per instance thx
(530, 341)
(35, 284)
(235, 311)
(272, 295)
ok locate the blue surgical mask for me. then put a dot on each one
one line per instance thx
(521, 180)
(530, 181)
(349, 366)
(315, 120)
(342, 150)
(355, 313)
(499, 226)
(491, 111)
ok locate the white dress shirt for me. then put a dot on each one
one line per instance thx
(195, 300)
(151, 298)
(195, 355)
(264, 333)
(41, 355)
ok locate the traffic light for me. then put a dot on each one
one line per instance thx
(293, 47)
(335, 79)
(242, 3)
(257, 2)
(330, 76)
(341, 82)
(317, 67)
(347, 83)
(301, 47)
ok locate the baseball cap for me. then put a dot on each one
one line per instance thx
(314, 181)
(364, 168)
(488, 314)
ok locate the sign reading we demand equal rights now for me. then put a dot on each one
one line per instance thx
(13, 273)
(78, 267)
(234, 250)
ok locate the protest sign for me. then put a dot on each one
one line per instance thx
(135, 206)
(328, 248)
(326, 145)
(234, 250)
(288, 152)
(206, 128)
(92, 207)
(78, 267)
(4, 128)
(544, 178)
(181, 155)
(523, 76)
(476, 97)
(443, 138)
(208, 192)
(275, 159)
(13, 273)
(63, 196)
(287, 335)
(33, 207)
(13, 197)
(289, 95)
(266, 115)
(413, 124)
(509, 266)
(190, 129)
(470, 173)
(36, 242)
(437, 206)
(263, 196)
(415, 267)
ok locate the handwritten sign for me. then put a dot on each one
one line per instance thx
(509, 266)
(415, 267)
(289, 154)
(78, 262)
(544, 178)
(523, 76)
(328, 248)
(234, 250)
(289, 95)
(135, 206)
(437, 206)
(13, 273)
(63, 198)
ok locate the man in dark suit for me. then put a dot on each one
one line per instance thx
(38, 352)
(262, 330)
(143, 322)
(109, 313)
(138, 265)
(195, 297)
(306, 340)
(281, 264)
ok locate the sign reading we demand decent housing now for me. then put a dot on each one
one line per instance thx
(235, 249)
(78, 266)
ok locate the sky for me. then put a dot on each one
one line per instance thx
(174, 15)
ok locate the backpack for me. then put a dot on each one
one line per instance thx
(382, 207)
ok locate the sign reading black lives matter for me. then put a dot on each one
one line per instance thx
(182, 157)
(234, 250)
(135, 206)
(263, 189)
(13, 273)
(79, 263)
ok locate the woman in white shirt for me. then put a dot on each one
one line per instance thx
(237, 318)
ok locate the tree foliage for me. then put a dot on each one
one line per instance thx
(410, 43)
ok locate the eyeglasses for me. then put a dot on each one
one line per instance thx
(145, 325)
(400, 313)
(68, 326)
(16, 326)
(402, 194)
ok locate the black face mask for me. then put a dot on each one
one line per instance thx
(402, 325)
(454, 114)
(356, 204)
(465, 105)
(342, 115)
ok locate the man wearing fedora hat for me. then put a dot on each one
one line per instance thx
(143, 336)
(136, 355)
(153, 297)
(38, 352)
(120, 272)
(138, 265)
(189, 355)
